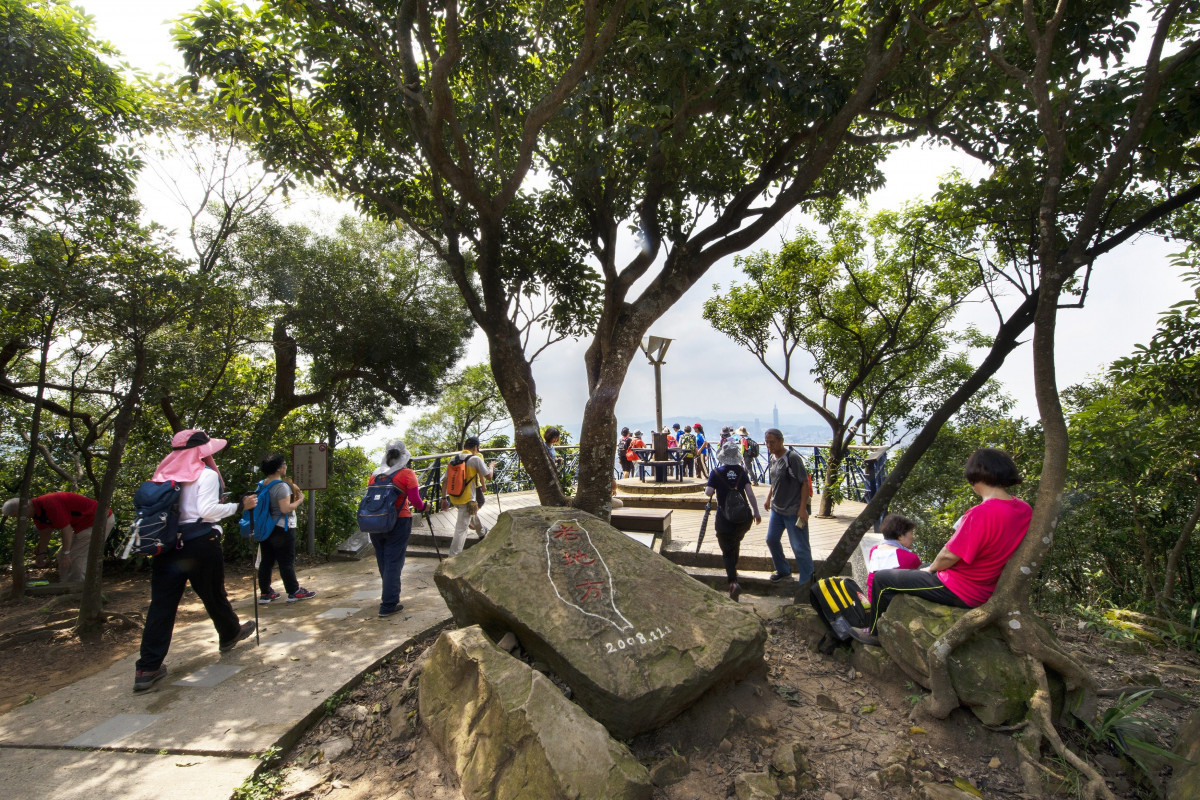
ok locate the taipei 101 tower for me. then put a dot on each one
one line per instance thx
(775, 417)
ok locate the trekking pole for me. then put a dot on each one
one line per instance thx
(432, 535)
(254, 593)
(704, 523)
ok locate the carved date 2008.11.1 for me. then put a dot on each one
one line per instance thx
(636, 640)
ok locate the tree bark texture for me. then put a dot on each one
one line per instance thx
(91, 614)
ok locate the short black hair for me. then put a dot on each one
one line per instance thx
(271, 464)
(551, 434)
(471, 442)
(992, 466)
(624, 431)
(895, 525)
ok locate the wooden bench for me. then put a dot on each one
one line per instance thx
(647, 520)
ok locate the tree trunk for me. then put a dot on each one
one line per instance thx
(1174, 557)
(598, 436)
(91, 615)
(514, 378)
(1005, 342)
(833, 468)
(35, 428)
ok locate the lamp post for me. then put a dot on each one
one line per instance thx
(655, 348)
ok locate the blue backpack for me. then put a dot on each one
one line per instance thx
(155, 527)
(257, 522)
(377, 512)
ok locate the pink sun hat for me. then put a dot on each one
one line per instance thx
(191, 451)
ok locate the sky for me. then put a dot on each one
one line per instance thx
(705, 374)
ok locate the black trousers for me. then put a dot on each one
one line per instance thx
(890, 583)
(689, 466)
(200, 562)
(278, 548)
(729, 537)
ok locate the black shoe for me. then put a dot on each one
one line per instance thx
(388, 612)
(143, 679)
(776, 577)
(734, 591)
(243, 634)
(865, 636)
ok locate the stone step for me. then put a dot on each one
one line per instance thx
(752, 581)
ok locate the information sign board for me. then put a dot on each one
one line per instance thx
(310, 465)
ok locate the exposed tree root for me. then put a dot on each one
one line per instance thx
(942, 698)
(1041, 715)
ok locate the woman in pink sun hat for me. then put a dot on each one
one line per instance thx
(197, 559)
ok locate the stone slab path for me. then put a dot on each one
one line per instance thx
(197, 733)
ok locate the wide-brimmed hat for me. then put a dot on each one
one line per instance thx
(742, 430)
(730, 454)
(191, 451)
(387, 469)
(638, 434)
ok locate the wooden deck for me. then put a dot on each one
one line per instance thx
(685, 526)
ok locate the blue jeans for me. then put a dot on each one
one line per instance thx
(390, 549)
(798, 535)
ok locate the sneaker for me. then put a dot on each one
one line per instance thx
(389, 611)
(301, 594)
(482, 532)
(734, 591)
(865, 636)
(776, 577)
(243, 634)
(143, 679)
(265, 599)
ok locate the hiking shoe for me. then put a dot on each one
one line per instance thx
(865, 636)
(301, 594)
(243, 634)
(734, 591)
(387, 612)
(265, 599)
(776, 577)
(143, 679)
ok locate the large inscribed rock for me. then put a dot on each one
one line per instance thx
(511, 734)
(636, 638)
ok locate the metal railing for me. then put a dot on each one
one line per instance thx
(863, 469)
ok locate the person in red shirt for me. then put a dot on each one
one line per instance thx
(72, 516)
(391, 547)
(964, 574)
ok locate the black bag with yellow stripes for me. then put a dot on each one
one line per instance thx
(842, 606)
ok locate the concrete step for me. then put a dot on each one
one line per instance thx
(755, 582)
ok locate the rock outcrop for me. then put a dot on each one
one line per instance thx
(989, 678)
(635, 638)
(511, 734)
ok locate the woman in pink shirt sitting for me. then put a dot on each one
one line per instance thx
(964, 574)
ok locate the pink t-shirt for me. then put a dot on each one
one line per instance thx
(888, 556)
(988, 536)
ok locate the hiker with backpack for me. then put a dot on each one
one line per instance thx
(788, 499)
(750, 453)
(737, 507)
(280, 545)
(195, 557)
(386, 515)
(623, 445)
(687, 451)
(463, 475)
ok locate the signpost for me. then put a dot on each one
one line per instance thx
(310, 471)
